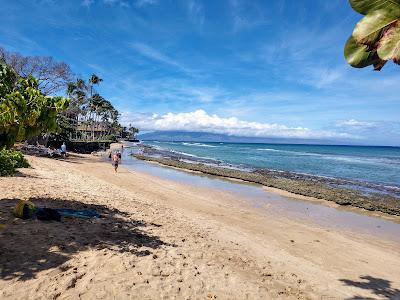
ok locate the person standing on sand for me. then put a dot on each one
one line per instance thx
(115, 161)
(119, 155)
(64, 150)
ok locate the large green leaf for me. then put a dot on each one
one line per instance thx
(369, 29)
(24, 110)
(389, 45)
(366, 6)
(358, 55)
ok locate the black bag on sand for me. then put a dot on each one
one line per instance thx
(48, 214)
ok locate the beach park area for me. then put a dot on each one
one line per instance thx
(165, 239)
(199, 149)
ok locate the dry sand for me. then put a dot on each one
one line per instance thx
(160, 239)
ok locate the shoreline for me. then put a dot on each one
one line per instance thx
(308, 188)
(257, 196)
(253, 190)
(365, 187)
(165, 239)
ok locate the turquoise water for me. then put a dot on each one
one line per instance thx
(380, 165)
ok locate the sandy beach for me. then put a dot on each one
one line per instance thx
(162, 239)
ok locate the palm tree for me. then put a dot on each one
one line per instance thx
(133, 131)
(77, 92)
(94, 79)
(95, 103)
(91, 110)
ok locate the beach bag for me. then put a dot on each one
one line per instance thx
(24, 209)
(48, 214)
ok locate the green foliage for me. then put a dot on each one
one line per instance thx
(365, 6)
(133, 130)
(358, 56)
(65, 129)
(10, 160)
(89, 111)
(17, 157)
(24, 110)
(110, 137)
(51, 75)
(376, 37)
(94, 79)
(6, 165)
(389, 47)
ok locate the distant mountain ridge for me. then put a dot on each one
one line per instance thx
(190, 136)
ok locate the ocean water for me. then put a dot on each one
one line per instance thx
(377, 165)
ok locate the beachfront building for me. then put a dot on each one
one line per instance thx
(92, 131)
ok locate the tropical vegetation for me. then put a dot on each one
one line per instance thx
(376, 37)
(52, 76)
(90, 116)
(25, 111)
(132, 131)
(10, 160)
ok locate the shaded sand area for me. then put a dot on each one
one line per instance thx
(160, 238)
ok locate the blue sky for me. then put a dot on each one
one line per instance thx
(262, 68)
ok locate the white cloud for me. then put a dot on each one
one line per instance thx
(354, 123)
(202, 94)
(196, 12)
(246, 15)
(116, 2)
(138, 3)
(168, 90)
(87, 3)
(201, 121)
(154, 54)
(321, 77)
(146, 2)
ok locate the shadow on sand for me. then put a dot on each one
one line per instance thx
(378, 286)
(30, 246)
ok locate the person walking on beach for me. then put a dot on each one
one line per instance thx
(115, 161)
(64, 150)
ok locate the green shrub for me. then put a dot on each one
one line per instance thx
(110, 137)
(10, 160)
(6, 164)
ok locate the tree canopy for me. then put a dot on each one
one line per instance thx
(89, 110)
(133, 131)
(52, 76)
(24, 110)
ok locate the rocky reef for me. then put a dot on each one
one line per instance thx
(306, 185)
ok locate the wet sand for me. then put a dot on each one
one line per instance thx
(272, 200)
(161, 238)
(303, 185)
